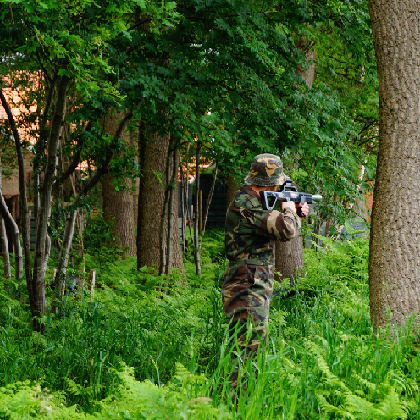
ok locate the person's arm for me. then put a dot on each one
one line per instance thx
(273, 223)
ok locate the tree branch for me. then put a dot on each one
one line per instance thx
(104, 166)
(75, 162)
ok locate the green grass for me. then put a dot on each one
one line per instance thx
(134, 353)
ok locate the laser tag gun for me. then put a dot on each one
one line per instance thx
(289, 193)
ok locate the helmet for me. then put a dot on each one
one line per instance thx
(266, 170)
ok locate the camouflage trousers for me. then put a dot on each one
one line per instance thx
(247, 292)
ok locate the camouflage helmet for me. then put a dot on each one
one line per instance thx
(266, 171)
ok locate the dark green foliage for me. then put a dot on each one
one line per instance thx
(99, 237)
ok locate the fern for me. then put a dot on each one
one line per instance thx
(328, 408)
(387, 404)
(392, 407)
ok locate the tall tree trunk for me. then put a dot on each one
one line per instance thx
(153, 156)
(289, 255)
(118, 205)
(394, 259)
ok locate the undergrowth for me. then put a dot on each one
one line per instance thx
(134, 352)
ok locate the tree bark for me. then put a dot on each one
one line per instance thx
(118, 205)
(394, 261)
(289, 259)
(153, 156)
(290, 263)
(307, 74)
(231, 188)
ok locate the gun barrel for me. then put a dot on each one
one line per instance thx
(317, 198)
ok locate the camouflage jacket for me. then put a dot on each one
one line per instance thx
(250, 231)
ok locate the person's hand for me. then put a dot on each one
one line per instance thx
(304, 209)
(288, 205)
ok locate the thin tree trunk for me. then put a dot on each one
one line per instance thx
(197, 244)
(5, 251)
(4, 247)
(317, 228)
(327, 227)
(46, 254)
(79, 228)
(210, 198)
(165, 214)
(81, 250)
(36, 195)
(187, 196)
(184, 198)
(63, 258)
(183, 209)
(4, 240)
(171, 208)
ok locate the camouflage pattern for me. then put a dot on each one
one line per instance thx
(266, 170)
(248, 281)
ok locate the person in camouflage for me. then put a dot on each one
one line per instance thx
(250, 232)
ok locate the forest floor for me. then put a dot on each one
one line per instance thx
(134, 352)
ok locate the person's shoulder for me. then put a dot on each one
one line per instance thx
(245, 198)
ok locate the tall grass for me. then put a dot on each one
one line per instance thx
(134, 352)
